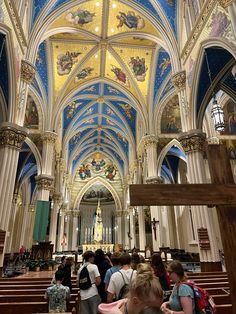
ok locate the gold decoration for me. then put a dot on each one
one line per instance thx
(14, 16)
(27, 71)
(12, 137)
(179, 80)
(154, 180)
(103, 45)
(193, 141)
(49, 137)
(100, 100)
(225, 3)
(45, 182)
(149, 141)
(198, 28)
(57, 197)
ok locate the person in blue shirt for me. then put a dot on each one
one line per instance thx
(182, 297)
(115, 259)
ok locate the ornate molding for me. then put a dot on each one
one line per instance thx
(16, 24)
(45, 182)
(27, 71)
(225, 3)
(213, 141)
(193, 141)
(49, 137)
(154, 180)
(57, 198)
(12, 135)
(149, 141)
(198, 27)
(179, 80)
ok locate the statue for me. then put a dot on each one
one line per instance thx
(98, 226)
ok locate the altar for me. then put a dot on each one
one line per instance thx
(93, 247)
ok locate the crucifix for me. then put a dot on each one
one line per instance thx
(154, 222)
(221, 193)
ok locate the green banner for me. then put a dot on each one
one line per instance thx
(41, 220)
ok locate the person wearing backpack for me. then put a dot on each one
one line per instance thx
(118, 285)
(115, 259)
(88, 279)
(182, 297)
(145, 295)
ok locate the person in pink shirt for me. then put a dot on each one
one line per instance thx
(145, 295)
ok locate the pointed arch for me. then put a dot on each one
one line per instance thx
(103, 182)
(208, 43)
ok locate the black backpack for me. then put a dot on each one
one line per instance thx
(84, 279)
(125, 288)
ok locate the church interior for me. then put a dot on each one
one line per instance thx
(99, 96)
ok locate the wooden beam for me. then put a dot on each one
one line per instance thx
(226, 214)
(182, 194)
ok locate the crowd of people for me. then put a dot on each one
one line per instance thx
(121, 283)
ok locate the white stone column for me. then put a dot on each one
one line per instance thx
(57, 199)
(141, 227)
(179, 82)
(150, 146)
(61, 227)
(27, 77)
(12, 137)
(193, 143)
(75, 230)
(230, 6)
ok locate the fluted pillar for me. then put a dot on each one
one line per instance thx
(27, 76)
(61, 226)
(131, 233)
(150, 146)
(141, 228)
(193, 143)
(57, 199)
(12, 137)
(179, 82)
(75, 230)
(230, 6)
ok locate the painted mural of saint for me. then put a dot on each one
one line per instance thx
(80, 17)
(219, 24)
(164, 65)
(130, 20)
(110, 172)
(31, 114)
(120, 75)
(138, 67)
(84, 73)
(65, 62)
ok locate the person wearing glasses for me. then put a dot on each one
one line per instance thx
(182, 298)
(145, 295)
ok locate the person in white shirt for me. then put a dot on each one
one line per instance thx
(118, 279)
(90, 298)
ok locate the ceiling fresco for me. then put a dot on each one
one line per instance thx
(101, 67)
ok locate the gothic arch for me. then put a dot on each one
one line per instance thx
(212, 42)
(103, 182)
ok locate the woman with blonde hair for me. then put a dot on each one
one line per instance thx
(145, 295)
(182, 298)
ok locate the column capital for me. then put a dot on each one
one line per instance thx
(45, 182)
(27, 71)
(179, 80)
(225, 3)
(75, 213)
(193, 141)
(12, 135)
(154, 180)
(49, 137)
(149, 140)
(57, 197)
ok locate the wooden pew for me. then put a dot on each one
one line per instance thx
(29, 291)
(28, 298)
(29, 307)
(224, 309)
